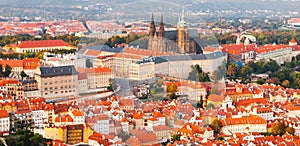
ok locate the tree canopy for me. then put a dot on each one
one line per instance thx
(197, 74)
(216, 125)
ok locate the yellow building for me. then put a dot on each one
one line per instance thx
(10, 47)
(87, 133)
(75, 133)
(56, 133)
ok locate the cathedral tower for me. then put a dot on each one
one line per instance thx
(182, 35)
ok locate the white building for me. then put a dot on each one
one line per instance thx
(264, 112)
(78, 117)
(38, 118)
(102, 124)
(4, 123)
(57, 82)
(245, 124)
(279, 53)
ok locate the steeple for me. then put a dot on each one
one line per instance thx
(161, 32)
(181, 21)
(152, 31)
(182, 13)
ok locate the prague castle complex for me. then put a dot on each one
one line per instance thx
(170, 41)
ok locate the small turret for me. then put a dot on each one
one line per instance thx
(293, 42)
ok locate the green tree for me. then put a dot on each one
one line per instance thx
(1, 70)
(260, 81)
(112, 85)
(290, 130)
(7, 71)
(278, 128)
(215, 76)
(175, 137)
(171, 88)
(210, 106)
(298, 57)
(152, 91)
(245, 71)
(286, 83)
(173, 96)
(272, 66)
(23, 74)
(216, 125)
(197, 74)
(232, 70)
(200, 103)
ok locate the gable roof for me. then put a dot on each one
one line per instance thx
(57, 71)
(3, 114)
(42, 43)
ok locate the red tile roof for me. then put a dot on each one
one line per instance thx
(42, 43)
(5, 81)
(66, 118)
(216, 98)
(31, 63)
(92, 52)
(94, 70)
(12, 63)
(77, 113)
(161, 128)
(4, 114)
(244, 120)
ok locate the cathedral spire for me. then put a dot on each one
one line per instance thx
(181, 21)
(161, 32)
(182, 13)
(152, 31)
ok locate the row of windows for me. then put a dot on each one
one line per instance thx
(66, 91)
(56, 82)
(61, 87)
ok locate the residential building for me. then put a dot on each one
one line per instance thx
(162, 132)
(245, 124)
(97, 139)
(16, 65)
(82, 83)
(58, 133)
(12, 87)
(192, 89)
(4, 123)
(97, 77)
(30, 65)
(102, 124)
(57, 82)
(279, 53)
(21, 117)
(74, 134)
(38, 118)
(264, 112)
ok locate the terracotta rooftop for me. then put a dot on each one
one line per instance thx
(42, 43)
